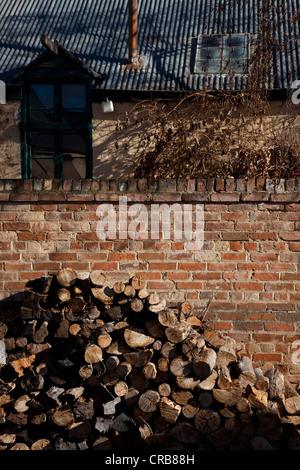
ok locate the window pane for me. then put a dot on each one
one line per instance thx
(74, 153)
(213, 40)
(42, 97)
(236, 52)
(42, 103)
(42, 145)
(73, 96)
(42, 168)
(74, 104)
(73, 144)
(209, 54)
(74, 168)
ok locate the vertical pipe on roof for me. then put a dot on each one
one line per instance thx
(133, 26)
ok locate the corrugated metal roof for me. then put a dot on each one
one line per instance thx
(98, 30)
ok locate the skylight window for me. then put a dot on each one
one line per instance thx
(222, 54)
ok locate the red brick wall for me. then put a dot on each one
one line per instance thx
(249, 260)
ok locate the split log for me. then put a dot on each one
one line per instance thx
(93, 353)
(104, 340)
(169, 410)
(139, 358)
(129, 291)
(180, 366)
(63, 416)
(143, 294)
(182, 397)
(138, 282)
(134, 339)
(207, 421)
(119, 287)
(226, 354)
(121, 389)
(64, 294)
(41, 444)
(167, 318)
(292, 405)
(177, 333)
(148, 401)
(258, 399)
(190, 410)
(262, 382)
(98, 278)
(137, 305)
(99, 294)
(149, 370)
(163, 364)
(156, 308)
(153, 299)
(76, 304)
(164, 389)
(224, 379)
(187, 383)
(168, 350)
(187, 308)
(228, 397)
(66, 277)
(193, 345)
(209, 382)
(123, 370)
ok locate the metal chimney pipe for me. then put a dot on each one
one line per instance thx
(133, 27)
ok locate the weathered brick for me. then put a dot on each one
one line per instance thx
(238, 236)
(225, 197)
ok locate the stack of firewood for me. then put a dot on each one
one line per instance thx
(85, 364)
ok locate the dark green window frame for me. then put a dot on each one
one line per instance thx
(59, 129)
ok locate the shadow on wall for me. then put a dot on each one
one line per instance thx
(10, 142)
(115, 153)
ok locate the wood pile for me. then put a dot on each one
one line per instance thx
(89, 365)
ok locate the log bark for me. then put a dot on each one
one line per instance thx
(276, 385)
(204, 363)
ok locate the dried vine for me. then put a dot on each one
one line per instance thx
(226, 133)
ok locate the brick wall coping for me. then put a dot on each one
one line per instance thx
(229, 190)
